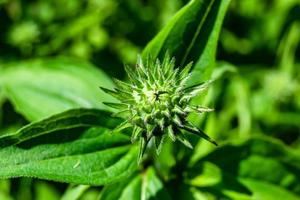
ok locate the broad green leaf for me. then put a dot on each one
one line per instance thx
(209, 176)
(192, 35)
(127, 189)
(263, 160)
(141, 186)
(152, 187)
(42, 87)
(261, 190)
(80, 117)
(56, 150)
(266, 191)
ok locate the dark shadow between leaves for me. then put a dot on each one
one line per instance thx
(58, 137)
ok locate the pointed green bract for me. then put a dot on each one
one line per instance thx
(143, 146)
(112, 93)
(192, 129)
(156, 102)
(137, 131)
(157, 141)
(122, 126)
(171, 134)
(184, 140)
(116, 105)
(122, 114)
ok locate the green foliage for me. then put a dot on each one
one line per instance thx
(59, 141)
(257, 161)
(55, 85)
(57, 151)
(192, 35)
(74, 193)
(66, 120)
(141, 186)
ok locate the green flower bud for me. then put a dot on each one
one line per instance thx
(156, 103)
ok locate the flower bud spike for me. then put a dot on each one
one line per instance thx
(196, 89)
(121, 127)
(149, 62)
(192, 129)
(143, 145)
(159, 141)
(169, 66)
(166, 113)
(185, 71)
(121, 114)
(146, 119)
(177, 121)
(185, 98)
(152, 77)
(170, 133)
(183, 81)
(166, 59)
(179, 110)
(139, 61)
(188, 109)
(149, 130)
(136, 132)
(131, 75)
(184, 140)
(161, 124)
(137, 121)
(171, 76)
(112, 93)
(141, 68)
(156, 102)
(122, 85)
(202, 109)
(116, 105)
(124, 93)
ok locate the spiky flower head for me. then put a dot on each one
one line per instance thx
(156, 102)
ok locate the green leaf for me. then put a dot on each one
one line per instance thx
(141, 186)
(266, 191)
(124, 190)
(80, 117)
(259, 160)
(74, 193)
(57, 151)
(44, 190)
(152, 187)
(192, 35)
(42, 87)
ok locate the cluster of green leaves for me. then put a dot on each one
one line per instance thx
(68, 135)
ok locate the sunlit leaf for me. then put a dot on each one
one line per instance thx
(192, 35)
(53, 149)
(42, 87)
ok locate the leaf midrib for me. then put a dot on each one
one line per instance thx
(75, 176)
(199, 28)
(55, 119)
(69, 156)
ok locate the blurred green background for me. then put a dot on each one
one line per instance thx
(259, 45)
